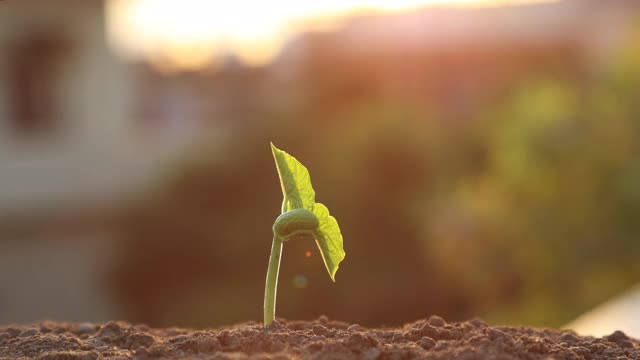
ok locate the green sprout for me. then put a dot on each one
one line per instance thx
(302, 218)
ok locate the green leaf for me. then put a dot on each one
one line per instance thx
(329, 239)
(295, 181)
(299, 194)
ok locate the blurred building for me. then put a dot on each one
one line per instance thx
(71, 138)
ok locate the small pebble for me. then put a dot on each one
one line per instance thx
(354, 327)
(427, 343)
(436, 321)
(85, 327)
(320, 330)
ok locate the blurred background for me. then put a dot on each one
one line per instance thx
(482, 157)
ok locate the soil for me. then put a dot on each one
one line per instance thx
(319, 339)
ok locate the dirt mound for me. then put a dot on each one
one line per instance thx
(319, 339)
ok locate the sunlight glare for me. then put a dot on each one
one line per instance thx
(190, 34)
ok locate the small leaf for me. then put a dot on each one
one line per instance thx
(295, 181)
(329, 239)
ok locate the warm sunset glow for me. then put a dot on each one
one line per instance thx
(190, 34)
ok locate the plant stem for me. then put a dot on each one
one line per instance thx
(271, 285)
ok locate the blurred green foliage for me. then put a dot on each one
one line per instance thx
(522, 209)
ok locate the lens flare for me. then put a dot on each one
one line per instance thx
(300, 281)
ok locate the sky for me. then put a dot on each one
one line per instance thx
(190, 34)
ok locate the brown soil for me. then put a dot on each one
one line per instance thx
(320, 339)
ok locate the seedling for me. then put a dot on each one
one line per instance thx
(302, 218)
